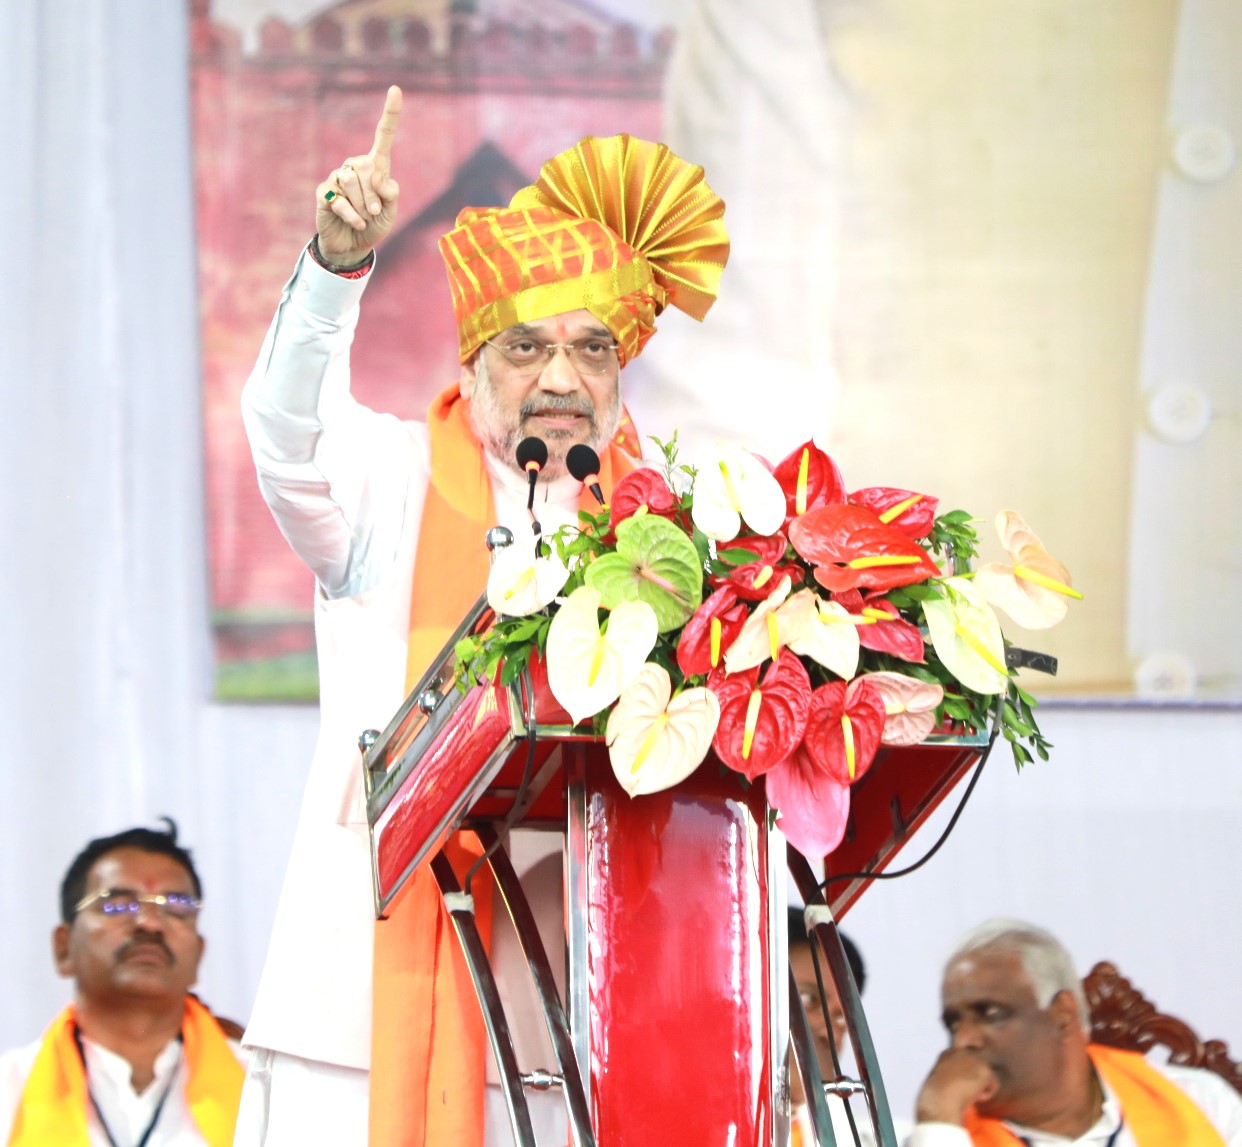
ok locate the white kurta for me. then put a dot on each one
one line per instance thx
(1215, 1098)
(346, 486)
(128, 1112)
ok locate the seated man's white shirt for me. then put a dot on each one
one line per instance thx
(1214, 1097)
(128, 1113)
(841, 1123)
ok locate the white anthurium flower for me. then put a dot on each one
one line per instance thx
(587, 668)
(520, 584)
(1033, 589)
(656, 740)
(824, 631)
(760, 637)
(967, 637)
(733, 486)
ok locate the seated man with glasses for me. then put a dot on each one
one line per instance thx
(830, 1042)
(553, 295)
(135, 1058)
(830, 1037)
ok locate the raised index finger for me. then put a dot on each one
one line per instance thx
(386, 129)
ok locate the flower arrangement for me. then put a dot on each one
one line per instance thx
(775, 617)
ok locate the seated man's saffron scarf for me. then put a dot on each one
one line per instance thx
(55, 1101)
(1157, 1111)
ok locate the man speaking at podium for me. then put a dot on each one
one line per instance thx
(552, 296)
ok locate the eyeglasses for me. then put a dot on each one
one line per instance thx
(120, 903)
(587, 356)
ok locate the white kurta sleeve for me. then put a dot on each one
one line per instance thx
(938, 1135)
(1215, 1098)
(334, 473)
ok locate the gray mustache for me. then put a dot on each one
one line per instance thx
(558, 402)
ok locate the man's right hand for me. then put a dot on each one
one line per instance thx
(959, 1078)
(356, 206)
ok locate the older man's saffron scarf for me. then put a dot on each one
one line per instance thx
(1157, 1111)
(55, 1102)
(428, 1043)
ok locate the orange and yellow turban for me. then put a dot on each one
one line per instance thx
(620, 227)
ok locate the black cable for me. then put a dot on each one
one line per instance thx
(970, 788)
(506, 826)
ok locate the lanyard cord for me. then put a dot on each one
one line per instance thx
(159, 1107)
(1112, 1139)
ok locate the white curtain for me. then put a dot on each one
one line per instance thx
(105, 678)
(1123, 843)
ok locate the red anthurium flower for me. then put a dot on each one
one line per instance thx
(710, 631)
(883, 628)
(843, 728)
(810, 479)
(639, 488)
(853, 549)
(761, 721)
(813, 807)
(754, 580)
(912, 513)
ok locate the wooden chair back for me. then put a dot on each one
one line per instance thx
(1121, 1016)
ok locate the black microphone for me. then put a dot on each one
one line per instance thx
(583, 463)
(532, 456)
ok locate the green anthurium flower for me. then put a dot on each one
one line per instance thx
(655, 562)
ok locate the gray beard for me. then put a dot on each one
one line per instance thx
(502, 440)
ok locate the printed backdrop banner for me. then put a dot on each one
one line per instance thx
(988, 254)
(278, 103)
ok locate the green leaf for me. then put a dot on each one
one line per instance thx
(702, 546)
(654, 562)
(958, 710)
(737, 556)
(1014, 722)
(917, 593)
(525, 629)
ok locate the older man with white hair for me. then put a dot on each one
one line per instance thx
(1020, 1067)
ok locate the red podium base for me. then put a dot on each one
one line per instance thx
(668, 905)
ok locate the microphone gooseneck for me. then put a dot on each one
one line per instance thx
(583, 463)
(532, 456)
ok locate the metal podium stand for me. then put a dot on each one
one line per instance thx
(679, 1018)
